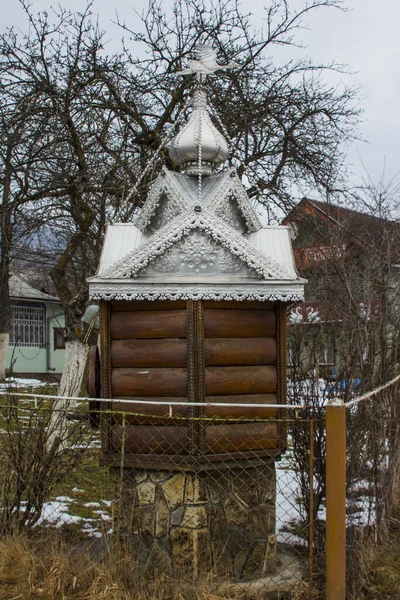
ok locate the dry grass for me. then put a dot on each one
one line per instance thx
(383, 581)
(47, 569)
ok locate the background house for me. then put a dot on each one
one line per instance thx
(36, 345)
(350, 315)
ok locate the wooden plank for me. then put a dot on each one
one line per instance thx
(128, 305)
(239, 323)
(148, 324)
(240, 380)
(193, 464)
(239, 305)
(241, 437)
(240, 351)
(148, 353)
(152, 410)
(246, 412)
(151, 439)
(149, 382)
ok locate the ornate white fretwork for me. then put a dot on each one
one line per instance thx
(227, 199)
(197, 254)
(141, 291)
(165, 186)
(216, 229)
(231, 189)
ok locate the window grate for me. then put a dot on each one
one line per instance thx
(27, 326)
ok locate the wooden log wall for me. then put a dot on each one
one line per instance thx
(222, 352)
(240, 367)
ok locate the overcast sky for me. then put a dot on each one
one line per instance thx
(366, 38)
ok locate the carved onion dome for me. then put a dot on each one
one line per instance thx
(199, 146)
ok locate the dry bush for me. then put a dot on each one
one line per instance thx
(31, 468)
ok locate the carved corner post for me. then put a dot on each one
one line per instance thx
(105, 375)
(195, 366)
(281, 362)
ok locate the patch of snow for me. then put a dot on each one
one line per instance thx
(92, 504)
(107, 502)
(78, 491)
(56, 514)
(64, 499)
(103, 515)
(287, 492)
(11, 382)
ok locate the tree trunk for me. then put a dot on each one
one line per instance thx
(76, 356)
(3, 354)
(5, 245)
(75, 362)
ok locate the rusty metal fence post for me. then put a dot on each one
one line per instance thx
(336, 500)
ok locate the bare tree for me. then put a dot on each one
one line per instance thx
(345, 342)
(103, 116)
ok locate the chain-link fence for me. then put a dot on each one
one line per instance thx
(373, 486)
(238, 503)
(237, 513)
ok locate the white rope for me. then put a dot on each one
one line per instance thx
(156, 156)
(199, 157)
(155, 402)
(224, 131)
(372, 393)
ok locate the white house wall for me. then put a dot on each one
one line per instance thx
(31, 359)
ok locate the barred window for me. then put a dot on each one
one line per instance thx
(27, 326)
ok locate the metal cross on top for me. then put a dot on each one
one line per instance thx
(206, 64)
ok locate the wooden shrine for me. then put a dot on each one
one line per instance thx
(193, 299)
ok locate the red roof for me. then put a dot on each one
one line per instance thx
(374, 233)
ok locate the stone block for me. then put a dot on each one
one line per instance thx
(254, 566)
(182, 550)
(236, 513)
(190, 552)
(195, 489)
(173, 489)
(176, 515)
(260, 523)
(162, 516)
(194, 517)
(238, 563)
(159, 476)
(158, 562)
(270, 555)
(246, 488)
(218, 484)
(146, 492)
(237, 540)
(140, 548)
(143, 521)
(271, 518)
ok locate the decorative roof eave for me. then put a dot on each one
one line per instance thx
(180, 227)
(136, 290)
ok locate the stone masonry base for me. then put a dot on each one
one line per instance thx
(187, 525)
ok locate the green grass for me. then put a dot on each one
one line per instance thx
(87, 482)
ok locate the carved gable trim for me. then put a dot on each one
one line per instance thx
(263, 266)
(164, 184)
(231, 187)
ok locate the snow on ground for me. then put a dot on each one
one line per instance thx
(21, 382)
(57, 513)
(287, 504)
